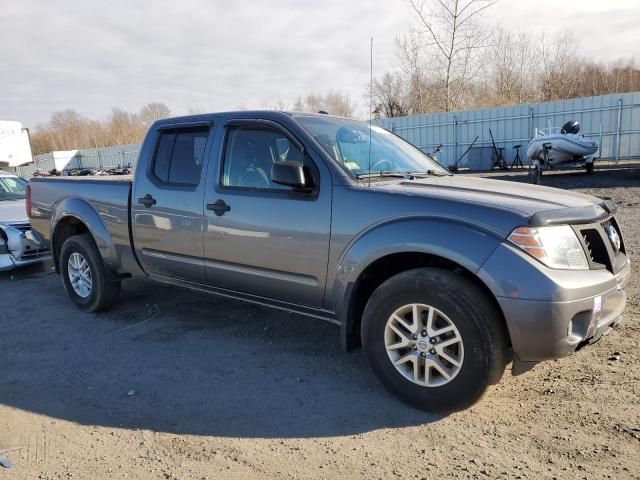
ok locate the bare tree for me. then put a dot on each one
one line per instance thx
(153, 112)
(511, 62)
(65, 129)
(390, 96)
(449, 29)
(419, 86)
(339, 104)
(124, 127)
(560, 67)
(333, 102)
(280, 105)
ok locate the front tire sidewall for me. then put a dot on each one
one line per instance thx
(479, 366)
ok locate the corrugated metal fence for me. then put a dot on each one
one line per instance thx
(612, 120)
(97, 158)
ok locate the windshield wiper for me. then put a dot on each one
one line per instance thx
(394, 174)
(428, 173)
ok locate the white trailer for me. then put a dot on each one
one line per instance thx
(15, 148)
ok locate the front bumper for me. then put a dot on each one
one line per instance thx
(20, 247)
(551, 314)
(8, 262)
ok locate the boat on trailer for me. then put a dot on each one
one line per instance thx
(552, 147)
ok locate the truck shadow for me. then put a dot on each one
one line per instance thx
(167, 359)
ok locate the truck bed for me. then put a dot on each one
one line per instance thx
(105, 198)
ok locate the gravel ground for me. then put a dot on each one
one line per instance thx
(172, 384)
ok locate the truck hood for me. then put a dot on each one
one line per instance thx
(543, 205)
(13, 211)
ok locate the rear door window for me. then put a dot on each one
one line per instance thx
(180, 155)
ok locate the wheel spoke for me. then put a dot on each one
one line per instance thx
(416, 369)
(442, 331)
(438, 366)
(404, 359)
(415, 314)
(403, 322)
(399, 332)
(427, 372)
(446, 343)
(455, 362)
(401, 344)
(429, 326)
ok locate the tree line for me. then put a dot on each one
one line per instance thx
(69, 130)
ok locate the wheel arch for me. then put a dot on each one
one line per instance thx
(74, 217)
(358, 292)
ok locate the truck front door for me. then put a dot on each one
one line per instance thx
(262, 238)
(167, 201)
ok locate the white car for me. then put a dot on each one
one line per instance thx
(18, 245)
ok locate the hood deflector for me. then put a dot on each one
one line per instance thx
(574, 216)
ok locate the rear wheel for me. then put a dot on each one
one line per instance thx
(84, 275)
(434, 339)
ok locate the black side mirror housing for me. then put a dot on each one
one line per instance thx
(289, 173)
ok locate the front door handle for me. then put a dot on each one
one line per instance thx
(219, 208)
(147, 201)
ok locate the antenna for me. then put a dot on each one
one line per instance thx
(370, 100)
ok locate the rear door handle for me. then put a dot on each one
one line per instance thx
(219, 208)
(147, 201)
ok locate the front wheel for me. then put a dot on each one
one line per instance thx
(589, 167)
(84, 276)
(535, 172)
(434, 339)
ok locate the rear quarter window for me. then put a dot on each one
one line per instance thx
(180, 155)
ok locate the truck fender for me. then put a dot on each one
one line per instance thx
(457, 240)
(84, 212)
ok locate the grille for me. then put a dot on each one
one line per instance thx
(22, 226)
(35, 253)
(596, 248)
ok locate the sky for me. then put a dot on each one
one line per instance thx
(214, 55)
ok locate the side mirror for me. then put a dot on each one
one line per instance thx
(289, 173)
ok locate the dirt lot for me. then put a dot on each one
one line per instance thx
(174, 384)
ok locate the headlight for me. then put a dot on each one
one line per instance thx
(556, 247)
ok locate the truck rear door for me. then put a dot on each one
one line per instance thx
(167, 201)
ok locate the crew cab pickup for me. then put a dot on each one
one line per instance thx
(442, 279)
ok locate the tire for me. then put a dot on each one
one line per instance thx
(589, 167)
(102, 292)
(481, 351)
(535, 173)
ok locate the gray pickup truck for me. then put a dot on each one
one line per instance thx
(442, 279)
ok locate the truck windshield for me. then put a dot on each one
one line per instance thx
(12, 188)
(347, 141)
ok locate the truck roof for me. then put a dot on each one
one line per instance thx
(244, 113)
